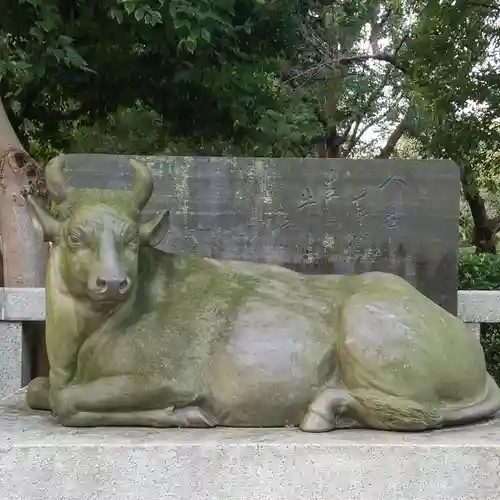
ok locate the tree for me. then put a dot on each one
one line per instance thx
(205, 66)
(348, 82)
(371, 69)
(459, 120)
(345, 78)
(370, 73)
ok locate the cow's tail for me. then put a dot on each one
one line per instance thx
(387, 412)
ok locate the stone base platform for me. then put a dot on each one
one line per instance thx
(44, 461)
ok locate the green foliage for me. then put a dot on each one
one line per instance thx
(128, 131)
(482, 272)
(206, 67)
(478, 271)
(259, 77)
(490, 340)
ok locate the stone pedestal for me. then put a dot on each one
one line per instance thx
(19, 307)
(12, 352)
(42, 460)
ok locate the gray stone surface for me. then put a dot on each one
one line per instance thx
(13, 358)
(28, 304)
(43, 461)
(475, 329)
(22, 304)
(319, 216)
(479, 306)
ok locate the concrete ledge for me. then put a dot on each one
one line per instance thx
(28, 304)
(41, 460)
(22, 304)
(479, 306)
(13, 359)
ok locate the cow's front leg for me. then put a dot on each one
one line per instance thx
(128, 401)
(192, 416)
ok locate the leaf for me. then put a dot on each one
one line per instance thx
(59, 54)
(15, 106)
(65, 40)
(139, 14)
(129, 6)
(35, 32)
(49, 19)
(73, 58)
(182, 23)
(205, 34)
(116, 14)
(154, 18)
(188, 43)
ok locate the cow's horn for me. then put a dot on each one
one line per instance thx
(142, 187)
(57, 186)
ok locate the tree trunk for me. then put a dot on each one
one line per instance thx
(483, 237)
(24, 253)
(23, 249)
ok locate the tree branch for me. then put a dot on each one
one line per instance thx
(485, 5)
(377, 26)
(397, 133)
(375, 31)
(381, 56)
(354, 136)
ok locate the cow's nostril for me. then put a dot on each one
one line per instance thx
(101, 285)
(124, 286)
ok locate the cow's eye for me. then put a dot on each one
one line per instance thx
(75, 238)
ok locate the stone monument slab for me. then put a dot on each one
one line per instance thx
(329, 216)
(41, 460)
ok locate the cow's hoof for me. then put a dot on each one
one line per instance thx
(316, 423)
(193, 416)
(37, 394)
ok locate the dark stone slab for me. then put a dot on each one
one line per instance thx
(317, 216)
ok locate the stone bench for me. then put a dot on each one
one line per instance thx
(20, 305)
(478, 306)
(17, 307)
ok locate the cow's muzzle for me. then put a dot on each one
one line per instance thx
(109, 289)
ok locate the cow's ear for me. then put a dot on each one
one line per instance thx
(154, 230)
(43, 221)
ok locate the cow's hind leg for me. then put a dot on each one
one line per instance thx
(328, 408)
(373, 409)
(485, 408)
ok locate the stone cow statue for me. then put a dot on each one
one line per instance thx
(139, 337)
